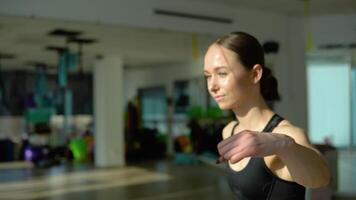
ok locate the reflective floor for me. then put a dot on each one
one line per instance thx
(149, 180)
(153, 180)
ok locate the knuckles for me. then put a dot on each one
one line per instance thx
(247, 138)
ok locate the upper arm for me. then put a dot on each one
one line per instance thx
(296, 133)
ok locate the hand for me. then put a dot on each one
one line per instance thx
(252, 144)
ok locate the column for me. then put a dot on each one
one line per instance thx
(108, 112)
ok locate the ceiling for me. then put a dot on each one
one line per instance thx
(294, 7)
(27, 37)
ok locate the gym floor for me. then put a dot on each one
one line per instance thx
(148, 180)
(152, 180)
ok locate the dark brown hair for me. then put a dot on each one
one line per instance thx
(250, 52)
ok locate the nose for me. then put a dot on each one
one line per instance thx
(213, 85)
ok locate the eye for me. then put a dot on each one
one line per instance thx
(222, 74)
(207, 77)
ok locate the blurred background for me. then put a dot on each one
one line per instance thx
(107, 99)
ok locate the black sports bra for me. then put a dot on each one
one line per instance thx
(257, 182)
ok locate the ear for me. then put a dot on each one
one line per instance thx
(256, 73)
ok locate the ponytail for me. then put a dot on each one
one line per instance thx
(269, 86)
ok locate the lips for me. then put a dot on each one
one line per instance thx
(219, 97)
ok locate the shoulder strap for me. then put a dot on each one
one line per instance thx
(233, 129)
(273, 123)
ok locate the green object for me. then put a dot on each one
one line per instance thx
(79, 149)
(67, 61)
(38, 115)
(40, 82)
(40, 88)
(211, 112)
(214, 112)
(72, 61)
(195, 112)
(162, 138)
(62, 71)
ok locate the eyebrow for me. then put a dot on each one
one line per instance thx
(217, 68)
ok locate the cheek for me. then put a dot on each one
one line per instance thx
(233, 84)
(238, 87)
(242, 84)
(229, 82)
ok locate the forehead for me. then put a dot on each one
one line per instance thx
(218, 56)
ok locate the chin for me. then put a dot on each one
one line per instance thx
(224, 107)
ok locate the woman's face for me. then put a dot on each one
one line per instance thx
(229, 83)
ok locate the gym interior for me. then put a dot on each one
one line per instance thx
(108, 100)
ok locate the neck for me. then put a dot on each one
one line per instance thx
(253, 115)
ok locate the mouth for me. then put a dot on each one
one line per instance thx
(219, 98)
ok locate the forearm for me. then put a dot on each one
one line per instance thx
(305, 165)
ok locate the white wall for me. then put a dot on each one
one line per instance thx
(333, 29)
(291, 74)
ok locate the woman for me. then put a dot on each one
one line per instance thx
(269, 158)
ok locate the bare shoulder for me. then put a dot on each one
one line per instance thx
(297, 133)
(227, 129)
(289, 129)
